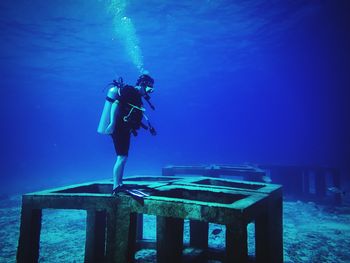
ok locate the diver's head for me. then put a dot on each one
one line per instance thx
(146, 82)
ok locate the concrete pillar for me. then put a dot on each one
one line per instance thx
(121, 235)
(132, 238)
(199, 234)
(169, 239)
(336, 183)
(95, 236)
(139, 230)
(293, 180)
(269, 233)
(236, 242)
(320, 183)
(306, 182)
(29, 239)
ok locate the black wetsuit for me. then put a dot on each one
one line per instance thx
(123, 129)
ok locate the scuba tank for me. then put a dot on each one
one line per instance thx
(106, 112)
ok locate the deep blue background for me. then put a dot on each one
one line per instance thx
(237, 81)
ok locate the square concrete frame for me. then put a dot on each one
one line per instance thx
(111, 221)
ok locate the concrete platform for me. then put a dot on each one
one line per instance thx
(111, 221)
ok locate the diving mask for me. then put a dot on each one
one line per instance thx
(149, 89)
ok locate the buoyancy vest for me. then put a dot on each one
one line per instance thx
(130, 112)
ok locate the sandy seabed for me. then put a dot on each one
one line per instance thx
(311, 233)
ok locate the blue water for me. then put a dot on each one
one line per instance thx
(236, 81)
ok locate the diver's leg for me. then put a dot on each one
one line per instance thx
(121, 141)
(118, 170)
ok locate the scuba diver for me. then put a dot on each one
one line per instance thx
(122, 115)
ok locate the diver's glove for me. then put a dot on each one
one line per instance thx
(134, 132)
(152, 130)
(147, 98)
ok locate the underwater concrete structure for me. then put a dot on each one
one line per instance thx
(309, 183)
(112, 221)
(246, 171)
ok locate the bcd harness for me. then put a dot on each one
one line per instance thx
(120, 84)
(144, 126)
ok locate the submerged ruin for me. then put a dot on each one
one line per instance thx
(114, 224)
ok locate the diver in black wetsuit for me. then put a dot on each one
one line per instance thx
(122, 115)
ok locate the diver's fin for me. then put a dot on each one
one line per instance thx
(134, 193)
(140, 192)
